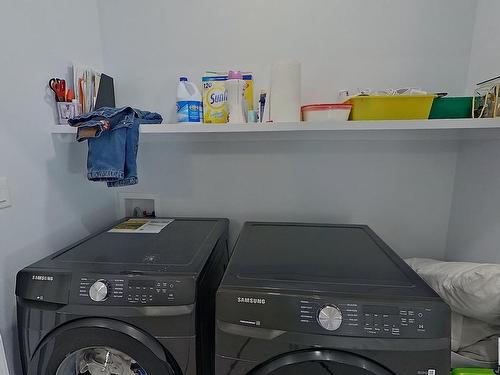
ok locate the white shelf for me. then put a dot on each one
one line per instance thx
(406, 129)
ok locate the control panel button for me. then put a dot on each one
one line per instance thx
(368, 320)
(330, 317)
(98, 291)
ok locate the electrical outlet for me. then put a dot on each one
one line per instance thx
(4, 193)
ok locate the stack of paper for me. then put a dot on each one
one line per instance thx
(86, 83)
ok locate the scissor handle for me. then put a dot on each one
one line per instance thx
(54, 84)
(59, 87)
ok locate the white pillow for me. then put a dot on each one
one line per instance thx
(471, 289)
(473, 334)
(3, 361)
(484, 350)
(460, 361)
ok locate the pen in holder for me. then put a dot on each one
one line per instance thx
(68, 110)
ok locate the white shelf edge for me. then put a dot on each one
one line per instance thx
(452, 124)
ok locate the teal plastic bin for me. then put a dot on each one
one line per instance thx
(451, 107)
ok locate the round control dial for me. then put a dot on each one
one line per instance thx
(330, 317)
(99, 290)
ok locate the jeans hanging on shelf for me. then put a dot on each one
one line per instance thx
(112, 135)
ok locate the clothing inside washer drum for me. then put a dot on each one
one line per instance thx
(99, 361)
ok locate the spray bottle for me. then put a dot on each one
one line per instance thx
(235, 87)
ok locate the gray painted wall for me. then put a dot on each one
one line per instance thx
(52, 203)
(341, 44)
(402, 189)
(485, 56)
(474, 233)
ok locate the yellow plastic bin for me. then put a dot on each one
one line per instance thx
(397, 107)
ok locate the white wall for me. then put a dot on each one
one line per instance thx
(341, 44)
(52, 203)
(485, 54)
(403, 189)
(474, 231)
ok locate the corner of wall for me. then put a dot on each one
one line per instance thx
(469, 84)
(453, 201)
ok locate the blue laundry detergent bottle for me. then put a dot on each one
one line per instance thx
(189, 104)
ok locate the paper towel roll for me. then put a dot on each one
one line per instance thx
(285, 91)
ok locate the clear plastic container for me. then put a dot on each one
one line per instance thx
(326, 112)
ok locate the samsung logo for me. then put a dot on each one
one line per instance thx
(255, 301)
(42, 278)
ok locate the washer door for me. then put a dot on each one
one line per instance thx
(320, 362)
(101, 347)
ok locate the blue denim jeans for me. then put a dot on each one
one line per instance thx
(113, 141)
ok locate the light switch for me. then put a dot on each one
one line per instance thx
(4, 193)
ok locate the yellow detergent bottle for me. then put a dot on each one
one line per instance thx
(215, 109)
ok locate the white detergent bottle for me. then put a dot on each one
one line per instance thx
(189, 104)
(235, 87)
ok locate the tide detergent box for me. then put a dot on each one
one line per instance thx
(215, 96)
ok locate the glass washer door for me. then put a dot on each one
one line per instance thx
(320, 362)
(320, 368)
(100, 346)
(99, 361)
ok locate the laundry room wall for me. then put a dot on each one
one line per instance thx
(52, 203)
(485, 54)
(402, 189)
(474, 231)
(355, 44)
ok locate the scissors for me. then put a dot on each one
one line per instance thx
(59, 87)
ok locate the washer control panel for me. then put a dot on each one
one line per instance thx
(100, 289)
(335, 315)
(363, 319)
(394, 321)
(340, 314)
(131, 290)
(142, 291)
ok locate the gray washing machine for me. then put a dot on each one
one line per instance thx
(125, 303)
(322, 299)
